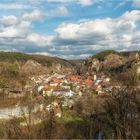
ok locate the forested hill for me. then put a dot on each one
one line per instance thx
(21, 57)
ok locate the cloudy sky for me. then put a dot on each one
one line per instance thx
(69, 29)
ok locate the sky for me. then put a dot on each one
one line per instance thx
(70, 29)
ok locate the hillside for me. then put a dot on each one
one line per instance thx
(107, 60)
(101, 55)
(21, 57)
(51, 63)
(110, 61)
(15, 68)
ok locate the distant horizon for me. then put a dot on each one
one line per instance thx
(69, 29)
(66, 58)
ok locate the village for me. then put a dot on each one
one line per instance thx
(65, 88)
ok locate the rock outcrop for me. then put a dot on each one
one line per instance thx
(33, 67)
(113, 61)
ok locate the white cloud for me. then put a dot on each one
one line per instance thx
(85, 30)
(14, 6)
(12, 32)
(124, 24)
(72, 40)
(86, 2)
(99, 34)
(18, 27)
(62, 11)
(39, 40)
(19, 31)
(122, 3)
(9, 32)
(9, 20)
(136, 3)
(57, 12)
(61, 1)
(35, 15)
(81, 2)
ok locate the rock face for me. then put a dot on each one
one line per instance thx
(136, 66)
(32, 67)
(35, 68)
(134, 56)
(95, 65)
(110, 62)
(113, 61)
(138, 70)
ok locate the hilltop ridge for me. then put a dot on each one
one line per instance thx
(112, 62)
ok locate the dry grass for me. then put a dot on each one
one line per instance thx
(8, 102)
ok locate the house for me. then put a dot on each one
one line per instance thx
(57, 91)
(48, 90)
(58, 112)
(65, 86)
(98, 81)
(107, 79)
(55, 80)
(95, 77)
(53, 84)
(74, 78)
(88, 82)
(63, 92)
(40, 88)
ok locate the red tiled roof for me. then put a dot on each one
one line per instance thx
(88, 82)
(56, 80)
(74, 78)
